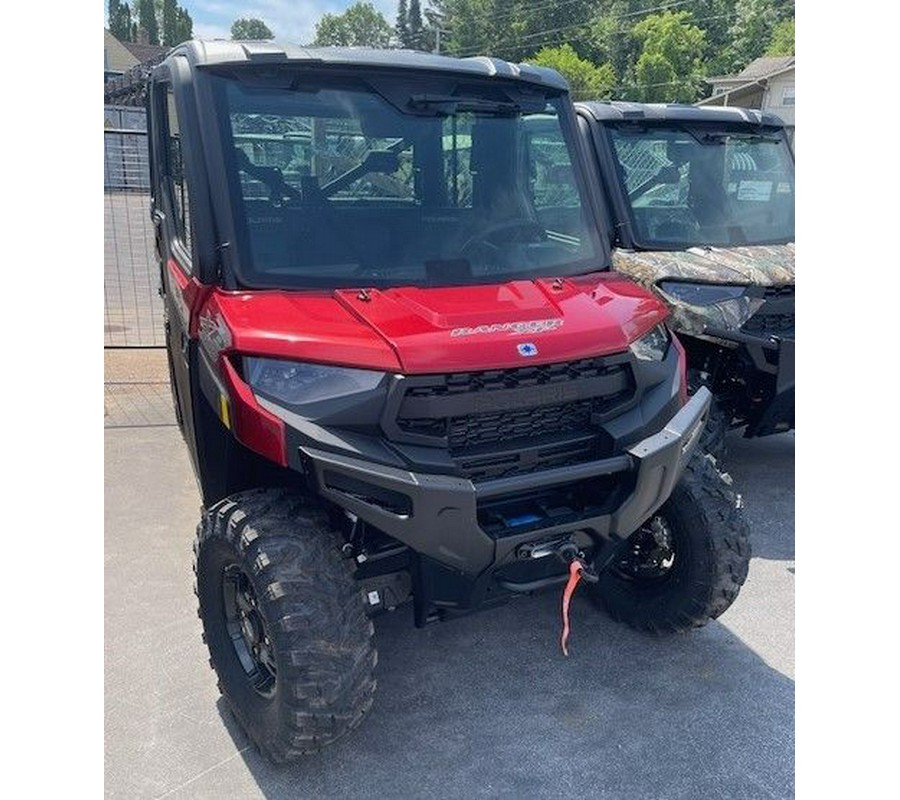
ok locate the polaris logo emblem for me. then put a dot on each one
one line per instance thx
(527, 349)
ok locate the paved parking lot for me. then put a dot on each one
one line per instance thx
(483, 706)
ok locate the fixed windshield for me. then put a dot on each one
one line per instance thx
(706, 185)
(343, 183)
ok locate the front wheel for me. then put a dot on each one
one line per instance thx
(284, 621)
(687, 563)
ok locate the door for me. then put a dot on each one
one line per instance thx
(172, 223)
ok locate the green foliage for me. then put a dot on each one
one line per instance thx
(670, 67)
(184, 26)
(120, 20)
(177, 25)
(169, 22)
(417, 32)
(752, 31)
(250, 28)
(782, 42)
(147, 20)
(587, 81)
(360, 25)
(401, 28)
(653, 56)
(514, 29)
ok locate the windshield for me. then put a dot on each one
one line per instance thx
(705, 185)
(344, 184)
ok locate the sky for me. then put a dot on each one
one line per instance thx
(290, 20)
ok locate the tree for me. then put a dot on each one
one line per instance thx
(119, 25)
(402, 26)
(752, 31)
(586, 80)
(670, 66)
(782, 42)
(511, 29)
(120, 20)
(250, 28)
(184, 26)
(169, 22)
(147, 20)
(417, 33)
(359, 26)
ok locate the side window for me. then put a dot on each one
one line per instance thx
(174, 178)
(180, 203)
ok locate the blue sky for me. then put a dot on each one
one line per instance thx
(290, 20)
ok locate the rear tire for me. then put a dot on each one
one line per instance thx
(687, 563)
(285, 622)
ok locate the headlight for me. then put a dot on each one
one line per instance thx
(651, 346)
(298, 383)
(701, 294)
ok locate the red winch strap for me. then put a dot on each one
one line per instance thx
(575, 569)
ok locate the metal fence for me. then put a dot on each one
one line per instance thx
(132, 306)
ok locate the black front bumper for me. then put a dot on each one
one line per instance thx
(438, 516)
(773, 358)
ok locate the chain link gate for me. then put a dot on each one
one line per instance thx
(133, 312)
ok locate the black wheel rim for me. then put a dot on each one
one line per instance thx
(651, 555)
(248, 632)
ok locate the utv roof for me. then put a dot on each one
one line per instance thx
(619, 111)
(223, 52)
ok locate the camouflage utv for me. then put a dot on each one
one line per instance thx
(702, 203)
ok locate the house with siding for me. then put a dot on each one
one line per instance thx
(766, 83)
(117, 59)
(119, 56)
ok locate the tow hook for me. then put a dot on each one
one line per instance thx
(566, 551)
(579, 569)
(569, 554)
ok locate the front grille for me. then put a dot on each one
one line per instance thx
(507, 422)
(776, 316)
(478, 430)
(762, 324)
(538, 375)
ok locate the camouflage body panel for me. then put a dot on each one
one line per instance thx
(757, 265)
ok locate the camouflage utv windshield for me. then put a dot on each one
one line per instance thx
(706, 185)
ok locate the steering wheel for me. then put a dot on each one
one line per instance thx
(483, 238)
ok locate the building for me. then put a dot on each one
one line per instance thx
(126, 66)
(766, 83)
(117, 58)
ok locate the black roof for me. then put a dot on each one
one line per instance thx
(619, 111)
(222, 52)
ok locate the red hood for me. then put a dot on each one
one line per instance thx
(416, 330)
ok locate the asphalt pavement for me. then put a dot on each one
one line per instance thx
(483, 706)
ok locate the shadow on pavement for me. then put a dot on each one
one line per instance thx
(487, 706)
(766, 464)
